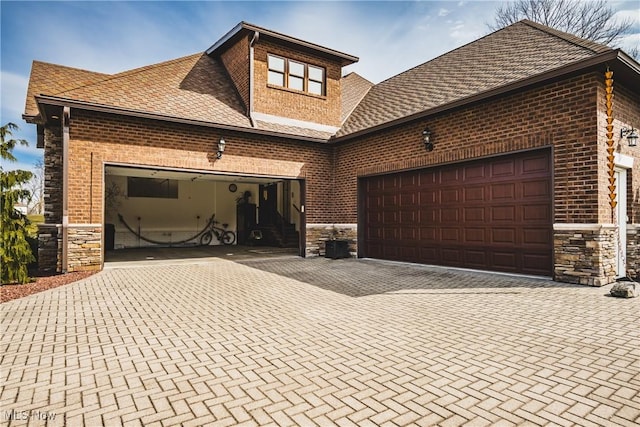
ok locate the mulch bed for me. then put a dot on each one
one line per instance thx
(11, 292)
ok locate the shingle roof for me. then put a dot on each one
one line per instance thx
(198, 88)
(194, 87)
(517, 52)
(353, 88)
(53, 79)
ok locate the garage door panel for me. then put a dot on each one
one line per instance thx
(474, 214)
(536, 236)
(450, 214)
(390, 182)
(408, 182)
(537, 188)
(503, 191)
(475, 258)
(503, 168)
(389, 217)
(389, 200)
(473, 173)
(451, 256)
(505, 261)
(536, 263)
(475, 235)
(449, 234)
(536, 165)
(449, 176)
(408, 199)
(429, 215)
(428, 255)
(537, 212)
(491, 214)
(428, 234)
(473, 194)
(409, 234)
(450, 195)
(503, 236)
(503, 213)
(428, 197)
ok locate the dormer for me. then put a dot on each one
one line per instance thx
(283, 80)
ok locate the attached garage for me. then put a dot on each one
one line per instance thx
(491, 214)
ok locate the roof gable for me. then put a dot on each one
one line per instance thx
(244, 28)
(194, 87)
(53, 79)
(512, 54)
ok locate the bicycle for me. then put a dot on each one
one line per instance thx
(227, 237)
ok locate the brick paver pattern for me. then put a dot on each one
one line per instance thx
(291, 341)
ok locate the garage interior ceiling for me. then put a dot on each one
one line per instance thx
(141, 172)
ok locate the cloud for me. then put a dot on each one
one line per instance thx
(14, 90)
(443, 12)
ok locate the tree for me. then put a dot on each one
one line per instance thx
(15, 252)
(36, 189)
(593, 20)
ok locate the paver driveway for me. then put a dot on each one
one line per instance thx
(291, 341)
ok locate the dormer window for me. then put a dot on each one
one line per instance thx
(295, 75)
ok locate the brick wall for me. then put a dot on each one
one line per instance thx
(293, 104)
(559, 114)
(96, 139)
(236, 61)
(566, 115)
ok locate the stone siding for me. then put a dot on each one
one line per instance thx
(318, 234)
(585, 254)
(50, 248)
(633, 251)
(84, 248)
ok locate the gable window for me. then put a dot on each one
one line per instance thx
(152, 187)
(276, 70)
(295, 75)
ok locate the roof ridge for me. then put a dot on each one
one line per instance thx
(358, 75)
(448, 52)
(591, 45)
(128, 73)
(70, 68)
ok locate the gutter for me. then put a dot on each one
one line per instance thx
(82, 105)
(66, 115)
(529, 81)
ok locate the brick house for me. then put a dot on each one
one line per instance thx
(493, 156)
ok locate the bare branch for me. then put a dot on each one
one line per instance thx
(593, 20)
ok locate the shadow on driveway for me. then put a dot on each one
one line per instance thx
(362, 277)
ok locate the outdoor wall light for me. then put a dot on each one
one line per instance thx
(631, 134)
(221, 145)
(426, 136)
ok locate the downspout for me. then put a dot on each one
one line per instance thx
(256, 36)
(66, 113)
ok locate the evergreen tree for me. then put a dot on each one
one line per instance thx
(15, 253)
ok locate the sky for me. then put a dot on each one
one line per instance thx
(389, 37)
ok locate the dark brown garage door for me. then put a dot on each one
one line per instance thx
(493, 214)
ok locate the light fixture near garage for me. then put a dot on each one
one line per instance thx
(631, 134)
(221, 145)
(426, 137)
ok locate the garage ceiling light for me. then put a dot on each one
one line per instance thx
(631, 134)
